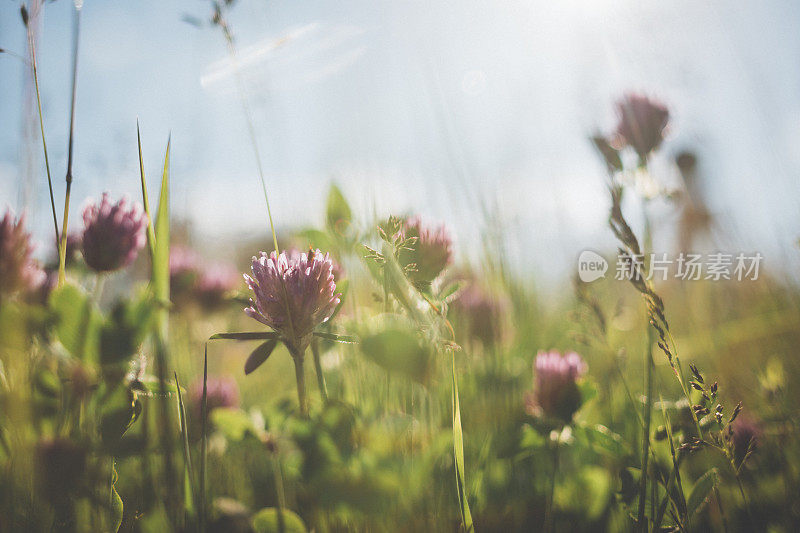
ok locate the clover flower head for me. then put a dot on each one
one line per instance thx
(113, 233)
(556, 395)
(641, 122)
(429, 255)
(18, 270)
(293, 294)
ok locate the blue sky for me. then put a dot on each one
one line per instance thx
(415, 106)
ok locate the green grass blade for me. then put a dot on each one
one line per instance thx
(151, 236)
(458, 453)
(190, 498)
(641, 518)
(161, 250)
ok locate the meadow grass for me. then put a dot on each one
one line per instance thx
(138, 396)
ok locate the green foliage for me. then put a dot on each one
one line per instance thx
(233, 423)
(458, 453)
(122, 334)
(338, 214)
(397, 348)
(702, 491)
(272, 520)
(259, 355)
(160, 277)
(116, 506)
(77, 322)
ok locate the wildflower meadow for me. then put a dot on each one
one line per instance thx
(370, 371)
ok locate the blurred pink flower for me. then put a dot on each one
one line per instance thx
(481, 312)
(183, 260)
(746, 434)
(222, 391)
(430, 255)
(556, 394)
(113, 233)
(641, 122)
(18, 270)
(294, 293)
(184, 269)
(214, 283)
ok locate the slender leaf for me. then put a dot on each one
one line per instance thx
(347, 339)
(160, 279)
(245, 336)
(151, 236)
(458, 453)
(116, 505)
(190, 497)
(259, 355)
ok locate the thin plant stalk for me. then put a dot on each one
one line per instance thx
(648, 407)
(721, 509)
(62, 251)
(34, 71)
(250, 127)
(323, 388)
(277, 468)
(257, 154)
(641, 520)
(549, 519)
(204, 441)
(299, 373)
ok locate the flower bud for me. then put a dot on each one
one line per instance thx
(113, 233)
(556, 396)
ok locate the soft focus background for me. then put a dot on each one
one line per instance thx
(449, 109)
(475, 115)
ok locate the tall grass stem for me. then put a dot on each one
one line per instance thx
(35, 73)
(62, 252)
